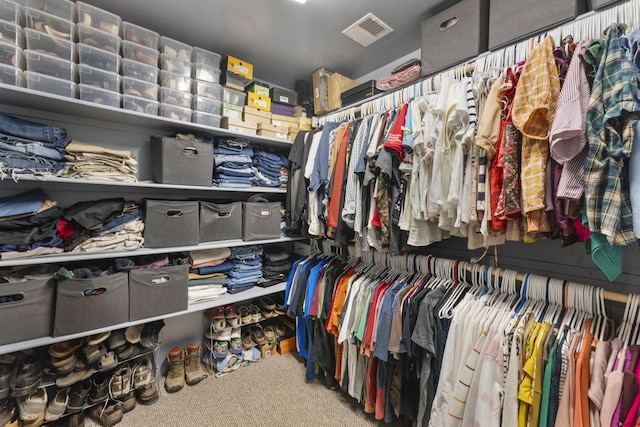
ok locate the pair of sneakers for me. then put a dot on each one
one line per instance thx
(229, 340)
(223, 317)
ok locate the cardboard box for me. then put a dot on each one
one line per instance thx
(232, 111)
(254, 115)
(273, 132)
(285, 121)
(268, 349)
(305, 123)
(284, 96)
(259, 102)
(292, 135)
(239, 126)
(287, 345)
(259, 88)
(241, 71)
(338, 84)
(232, 80)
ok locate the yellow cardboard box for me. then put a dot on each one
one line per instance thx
(259, 102)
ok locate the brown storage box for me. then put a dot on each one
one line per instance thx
(338, 84)
(284, 121)
(287, 345)
(272, 134)
(248, 128)
(256, 116)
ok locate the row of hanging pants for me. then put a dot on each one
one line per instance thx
(440, 350)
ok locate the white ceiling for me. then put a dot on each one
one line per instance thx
(285, 41)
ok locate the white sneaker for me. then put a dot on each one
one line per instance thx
(58, 405)
(31, 406)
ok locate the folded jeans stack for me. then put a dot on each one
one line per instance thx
(208, 274)
(233, 162)
(267, 168)
(276, 265)
(94, 162)
(102, 225)
(29, 222)
(246, 268)
(30, 149)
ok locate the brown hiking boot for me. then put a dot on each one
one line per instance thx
(193, 368)
(175, 376)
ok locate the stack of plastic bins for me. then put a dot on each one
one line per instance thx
(175, 79)
(139, 69)
(11, 43)
(50, 54)
(98, 55)
(207, 91)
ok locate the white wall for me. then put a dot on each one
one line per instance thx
(386, 70)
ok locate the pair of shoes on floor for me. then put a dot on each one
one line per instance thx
(184, 366)
(222, 317)
(260, 335)
(221, 343)
(249, 314)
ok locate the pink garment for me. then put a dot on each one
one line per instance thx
(564, 417)
(597, 386)
(630, 419)
(158, 263)
(612, 394)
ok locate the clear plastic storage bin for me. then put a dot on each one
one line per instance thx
(230, 96)
(206, 105)
(175, 97)
(175, 113)
(98, 58)
(54, 46)
(11, 12)
(209, 90)
(44, 83)
(98, 78)
(49, 65)
(11, 33)
(99, 96)
(139, 35)
(98, 18)
(11, 55)
(205, 73)
(64, 9)
(175, 65)
(205, 57)
(175, 81)
(98, 39)
(11, 76)
(206, 119)
(140, 71)
(175, 49)
(50, 24)
(139, 53)
(139, 88)
(140, 105)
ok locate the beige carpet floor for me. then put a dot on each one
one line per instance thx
(272, 392)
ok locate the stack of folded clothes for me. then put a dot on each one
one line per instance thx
(102, 225)
(29, 224)
(267, 168)
(233, 162)
(94, 162)
(33, 272)
(30, 149)
(208, 274)
(276, 265)
(247, 268)
(284, 176)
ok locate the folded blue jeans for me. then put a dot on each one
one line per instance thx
(235, 179)
(21, 204)
(28, 163)
(51, 136)
(25, 146)
(221, 184)
(219, 159)
(245, 172)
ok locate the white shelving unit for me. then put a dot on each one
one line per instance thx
(109, 126)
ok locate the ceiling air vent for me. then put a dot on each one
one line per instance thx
(367, 30)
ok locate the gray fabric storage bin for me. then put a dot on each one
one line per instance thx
(512, 20)
(87, 304)
(170, 223)
(454, 35)
(220, 221)
(157, 291)
(599, 4)
(260, 219)
(30, 313)
(175, 161)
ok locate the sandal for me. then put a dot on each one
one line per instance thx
(257, 334)
(256, 315)
(247, 343)
(270, 333)
(245, 315)
(62, 349)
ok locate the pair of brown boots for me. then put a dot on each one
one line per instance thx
(184, 366)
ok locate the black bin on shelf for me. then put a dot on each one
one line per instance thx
(26, 310)
(171, 223)
(88, 304)
(158, 291)
(260, 219)
(176, 161)
(220, 221)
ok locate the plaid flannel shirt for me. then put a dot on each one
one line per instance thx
(613, 111)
